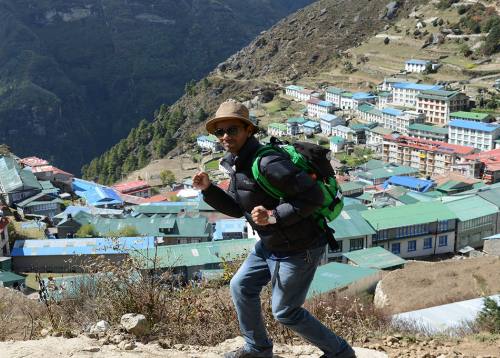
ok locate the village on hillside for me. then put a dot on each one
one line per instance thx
(418, 168)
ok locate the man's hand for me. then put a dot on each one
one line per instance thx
(201, 181)
(260, 215)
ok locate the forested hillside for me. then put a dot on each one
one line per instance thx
(77, 75)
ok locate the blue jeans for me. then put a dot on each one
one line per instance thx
(291, 277)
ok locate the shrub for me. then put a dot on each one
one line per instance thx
(87, 230)
(492, 43)
(489, 317)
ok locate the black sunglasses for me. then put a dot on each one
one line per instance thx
(230, 131)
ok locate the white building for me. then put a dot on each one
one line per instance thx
(294, 125)
(344, 132)
(317, 107)
(276, 129)
(209, 142)
(299, 92)
(328, 121)
(438, 104)
(383, 99)
(416, 66)
(405, 94)
(337, 144)
(399, 121)
(479, 135)
(333, 94)
(388, 82)
(375, 137)
(311, 127)
(362, 97)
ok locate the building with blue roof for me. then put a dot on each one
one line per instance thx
(96, 194)
(392, 112)
(416, 66)
(209, 142)
(69, 255)
(317, 107)
(473, 134)
(328, 121)
(412, 183)
(311, 127)
(405, 94)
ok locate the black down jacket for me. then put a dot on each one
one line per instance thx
(295, 229)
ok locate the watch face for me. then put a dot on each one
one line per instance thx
(271, 220)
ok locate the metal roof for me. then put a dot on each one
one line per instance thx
(428, 128)
(409, 182)
(336, 139)
(279, 126)
(13, 177)
(7, 278)
(363, 95)
(295, 88)
(198, 254)
(392, 111)
(96, 194)
(476, 126)
(352, 185)
(311, 124)
(469, 115)
(387, 172)
(333, 276)
(416, 86)
(350, 224)
(228, 225)
(327, 117)
(438, 94)
(90, 246)
(417, 62)
(334, 90)
(374, 257)
(445, 317)
(405, 215)
(471, 207)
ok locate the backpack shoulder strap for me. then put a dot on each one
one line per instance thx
(259, 177)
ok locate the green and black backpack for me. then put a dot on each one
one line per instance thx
(313, 159)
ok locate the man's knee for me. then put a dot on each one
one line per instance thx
(287, 316)
(235, 285)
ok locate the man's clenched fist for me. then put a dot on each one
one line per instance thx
(201, 181)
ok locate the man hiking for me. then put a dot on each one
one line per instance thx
(291, 241)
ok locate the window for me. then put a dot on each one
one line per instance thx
(339, 242)
(428, 243)
(396, 248)
(355, 244)
(443, 240)
(412, 245)
(443, 226)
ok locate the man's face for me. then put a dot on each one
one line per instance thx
(232, 134)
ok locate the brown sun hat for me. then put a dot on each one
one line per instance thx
(228, 110)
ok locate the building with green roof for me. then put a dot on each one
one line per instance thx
(414, 230)
(352, 188)
(16, 184)
(375, 258)
(352, 232)
(451, 187)
(477, 218)
(10, 279)
(336, 276)
(472, 116)
(276, 129)
(426, 131)
(190, 258)
(438, 104)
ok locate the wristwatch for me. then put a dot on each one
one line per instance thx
(271, 218)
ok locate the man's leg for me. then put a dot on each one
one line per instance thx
(246, 286)
(289, 293)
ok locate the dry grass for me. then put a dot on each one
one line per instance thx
(424, 284)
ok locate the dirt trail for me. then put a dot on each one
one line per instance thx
(85, 347)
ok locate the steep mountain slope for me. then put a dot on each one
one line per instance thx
(304, 43)
(77, 75)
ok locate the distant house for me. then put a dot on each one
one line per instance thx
(337, 144)
(378, 175)
(61, 179)
(438, 104)
(375, 137)
(344, 132)
(409, 182)
(416, 66)
(293, 91)
(311, 127)
(425, 131)
(277, 129)
(387, 84)
(333, 94)
(472, 116)
(294, 125)
(46, 203)
(362, 97)
(16, 184)
(328, 121)
(405, 94)
(413, 230)
(33, 162)
(209, 142)
(317, 107)
(96, 194)
(138, 188)
(383, 99)
(352, 233)
(479, 135)
(369, 113)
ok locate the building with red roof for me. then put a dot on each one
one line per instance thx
(428, 156)
(489, 165)
(33, 162)
(58, 177)
(138, 188)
